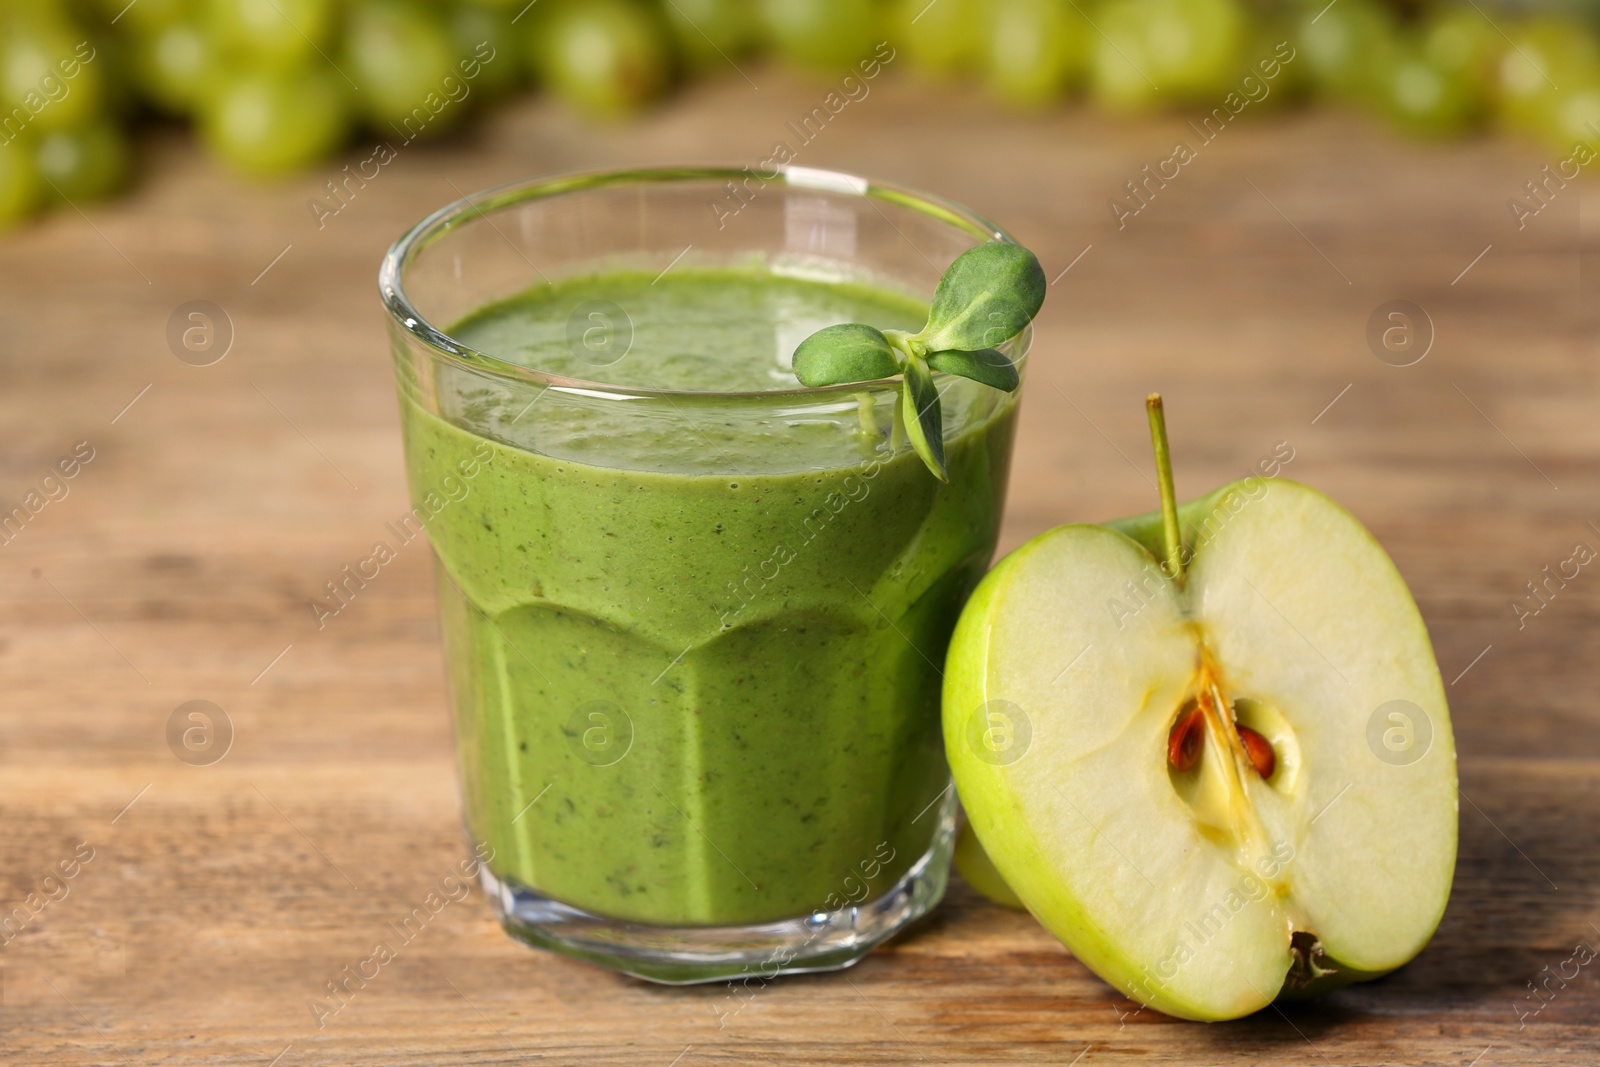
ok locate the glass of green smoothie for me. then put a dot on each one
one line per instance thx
(694, 614)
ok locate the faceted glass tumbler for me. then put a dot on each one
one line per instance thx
(694, 640)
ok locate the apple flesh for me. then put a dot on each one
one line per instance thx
(1208, 892)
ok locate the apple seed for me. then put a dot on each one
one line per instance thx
(1184, 742)
(1259, 749)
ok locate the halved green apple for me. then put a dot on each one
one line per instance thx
(1209, 748)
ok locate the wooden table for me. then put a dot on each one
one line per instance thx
(219, 499)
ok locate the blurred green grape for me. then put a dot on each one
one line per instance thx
(1346, 47)
(146, 15)
(1033, 50)
(1168, 50)
(83, 164)
(266, 123)
(1271, 73)
(829, 35)
(170, 65)
(20, 188)
(486, 37)
(604, 57)
(1422, 96)
(710, 32)
(271, 31)
(1117, 62)
(1545, 58)
(1573, 120)
(942, 37)
(1196, 46)
(1438, 81)
(49, 70)
(400, 54)
(1461, 38)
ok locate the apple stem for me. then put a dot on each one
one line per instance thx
(1169, 501)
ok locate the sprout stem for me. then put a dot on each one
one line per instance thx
(1169, 502)
(897, 427)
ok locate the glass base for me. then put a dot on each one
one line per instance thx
(685, 955)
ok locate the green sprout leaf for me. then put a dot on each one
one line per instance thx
(988, 296)
(849, 352)
(919, 405)
(987, 365)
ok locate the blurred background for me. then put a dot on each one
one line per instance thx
(271, 87)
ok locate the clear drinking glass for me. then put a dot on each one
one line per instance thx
(694, 639)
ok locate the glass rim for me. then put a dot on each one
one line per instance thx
(482, 204)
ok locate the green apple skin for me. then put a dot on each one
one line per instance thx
(1034, 861)
(975, 867)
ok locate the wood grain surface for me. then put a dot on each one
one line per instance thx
(219, 499)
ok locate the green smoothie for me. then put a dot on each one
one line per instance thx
(694, 643)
